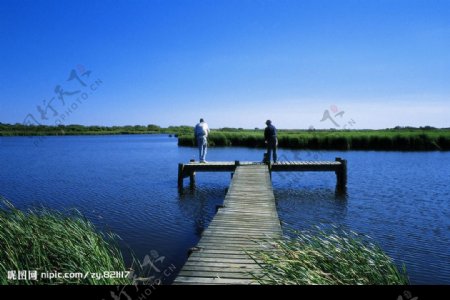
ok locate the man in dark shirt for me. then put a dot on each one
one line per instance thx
(270, 137)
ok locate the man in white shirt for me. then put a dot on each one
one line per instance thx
(201, 135)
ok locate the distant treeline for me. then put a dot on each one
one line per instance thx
(41, 130)
(407, 139)
(398, 138)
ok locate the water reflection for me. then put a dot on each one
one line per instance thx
(199, 204)
(300, 208)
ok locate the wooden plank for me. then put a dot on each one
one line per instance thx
(230, 259)
(216, 273)
(218, 247)
(228, 269)
(233, 219)
(218, 251)
(227, 229)
(230, 232)
(233, 243)
(250, 224)
(212, 280)
(238, 255)
(221, 265)
(210, 243)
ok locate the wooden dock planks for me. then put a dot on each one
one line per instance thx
(339, 166)
(249, 214)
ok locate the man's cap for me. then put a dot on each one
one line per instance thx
(201, 120)
(268, 122)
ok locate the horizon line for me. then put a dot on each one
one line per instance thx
(425, 127)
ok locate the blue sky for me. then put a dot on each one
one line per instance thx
(234, 63)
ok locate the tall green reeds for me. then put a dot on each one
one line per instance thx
(336, 258)
(48, 241)
(383, 140)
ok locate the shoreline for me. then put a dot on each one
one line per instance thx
(397, 139)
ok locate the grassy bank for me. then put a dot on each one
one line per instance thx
(403, 139)
(328, 258)
(44, 130)
(390, 139)
(48, 241)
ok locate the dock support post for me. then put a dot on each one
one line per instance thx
(180, 176)
(192, 177)
(269, 165)
(341, 175)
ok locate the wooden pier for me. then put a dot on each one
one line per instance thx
(339, 166)
(247, 221)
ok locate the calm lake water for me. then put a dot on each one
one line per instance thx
(128, 184)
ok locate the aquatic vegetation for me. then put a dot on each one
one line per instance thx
(327, 257)
(385, 140)
(44, 240)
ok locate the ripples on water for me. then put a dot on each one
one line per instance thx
(128, 184)
(399, 199)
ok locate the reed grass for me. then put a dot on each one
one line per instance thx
(383, 140)
(47, 241)
(327, 258)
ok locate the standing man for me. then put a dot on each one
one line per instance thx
(270, 137)
(201, 135)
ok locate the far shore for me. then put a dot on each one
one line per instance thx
(395, 139)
